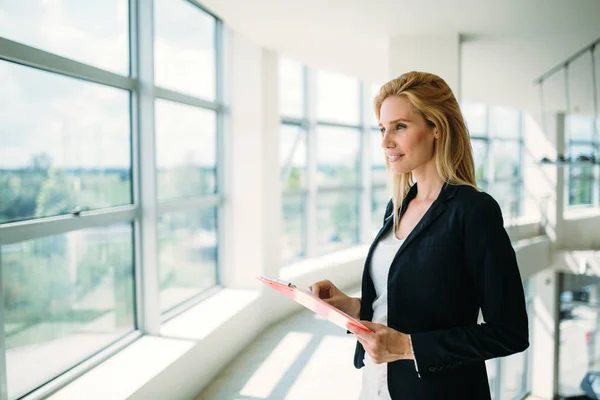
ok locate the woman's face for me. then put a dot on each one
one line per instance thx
(407, 139)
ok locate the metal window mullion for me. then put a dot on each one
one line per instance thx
(223, 60)
(34, 229)
(596, 133)
(183, 98)
(43, 60)
(142, 56)
(365, 170)
(333, 124)
(3, 367)
(311, 197)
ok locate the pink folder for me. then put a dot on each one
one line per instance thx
(313, 303)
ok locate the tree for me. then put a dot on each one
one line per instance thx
(55, 196)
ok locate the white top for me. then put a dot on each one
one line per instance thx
(375, 375)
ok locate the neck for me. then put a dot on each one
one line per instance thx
(429, 183)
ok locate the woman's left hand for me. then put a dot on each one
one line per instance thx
(384, 344)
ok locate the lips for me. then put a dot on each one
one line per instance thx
(395, 157)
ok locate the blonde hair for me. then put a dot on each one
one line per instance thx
(433, 99)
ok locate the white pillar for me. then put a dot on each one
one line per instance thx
(438, 54)
(253, 198)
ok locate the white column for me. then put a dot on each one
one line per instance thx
(253, 198)
(438, 54)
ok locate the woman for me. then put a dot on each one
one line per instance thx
(441, 256)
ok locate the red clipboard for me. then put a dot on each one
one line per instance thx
(313, 303)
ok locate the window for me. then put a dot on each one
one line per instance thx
(60, 290)
(320, 161)
(187, 252)
(69, 31)
(77, 186)
(497, 142)
(185, 52)
(186, 150)
(75, 155)
(581, 147)
(293, 162)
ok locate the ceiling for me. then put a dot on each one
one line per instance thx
(515, 39)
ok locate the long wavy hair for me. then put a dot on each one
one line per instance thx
(433, 99)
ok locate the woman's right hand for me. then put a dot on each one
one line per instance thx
(332, 295)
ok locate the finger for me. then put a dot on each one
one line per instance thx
(358, 332)
(373, 327)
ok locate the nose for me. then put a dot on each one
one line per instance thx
(387, 142)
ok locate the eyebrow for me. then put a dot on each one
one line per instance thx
(396, 120)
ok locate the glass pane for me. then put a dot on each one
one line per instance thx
(292, 241)
(581, 85)
(338, 98)
(337, 220)
(186, 150)
(476, 118)
(580, 128)
(507, 159)
(187, 255)
(337, 156)
(505, 122)
(184, 48)
(581, 177)
(513, 375)
(96, 34)
(371, 116)
(480, 157)
(579, 325)
(291, 88)
(508, 196)
(65, 298)
(293, 155)
(75, 153)
(379, 200)
(378, 167)
(581, 190)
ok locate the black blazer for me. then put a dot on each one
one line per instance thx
(457, 260)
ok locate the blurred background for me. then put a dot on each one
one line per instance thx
(156, 156)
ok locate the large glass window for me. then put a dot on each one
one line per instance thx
(185, 51)
(497, 142)
(72, 31)
(66, 145)
(77, 184)
(65, 296)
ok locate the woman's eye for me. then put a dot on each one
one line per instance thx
(400, 126)
(382, 130)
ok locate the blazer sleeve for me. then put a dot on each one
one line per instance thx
(492, 265)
